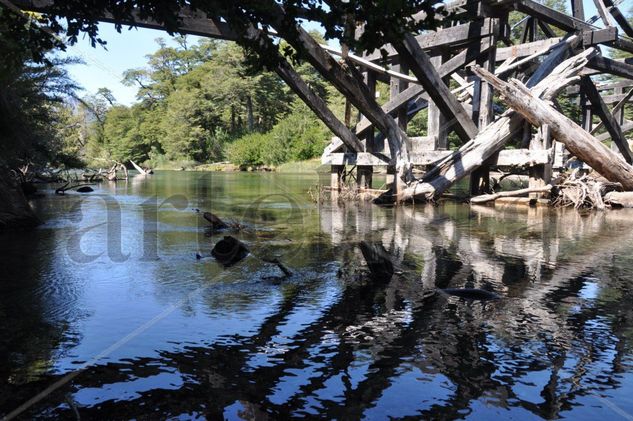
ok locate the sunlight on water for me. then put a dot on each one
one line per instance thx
(108, 299)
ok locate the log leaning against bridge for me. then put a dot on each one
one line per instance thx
(580, 143)
(552, 76)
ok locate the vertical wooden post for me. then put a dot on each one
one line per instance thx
(395, 87)
(483, 114)
(436, 123)
(585, 111)
(336, 174)
(540, 175)
(619, 114)
(364, 173)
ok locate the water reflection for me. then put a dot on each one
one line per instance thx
(326, 342)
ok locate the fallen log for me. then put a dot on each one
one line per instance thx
(229, 250)
(580, 143)
(138, 168)
(552, 76)
(514, 193)
(215, 221)
(617, 199)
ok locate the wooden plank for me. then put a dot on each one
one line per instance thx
(444, 37)
(577, 9)
(600, 36)
(622, 67)
(626, 127)
(607, 86)
(420, 65)
(615, 98)
(524, 50)
(522, 158)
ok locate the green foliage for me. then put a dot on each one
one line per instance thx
(299, 136)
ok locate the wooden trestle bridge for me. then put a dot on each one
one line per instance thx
(432, 70)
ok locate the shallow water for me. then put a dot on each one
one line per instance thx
(106, 313)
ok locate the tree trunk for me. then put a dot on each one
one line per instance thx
(579, 142)
(547, 81)
(15, 211)
(249, 110)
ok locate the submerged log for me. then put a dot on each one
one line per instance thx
(580, 143)
(514, 193)
(229, 251)
(216, 223)
(617, 199)
(552, 76)
(139, 169)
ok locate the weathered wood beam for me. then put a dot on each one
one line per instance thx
(549, 32)
(617, 111)
(606, 86)
(565, 22)
(527, 49)
(626, 127)
(579, 142)
(599, 36)
(317, 105)
(287, 73)
(421, 66)
(350, 83)
(622, 68)
(609, 121)
(445, 37)
(191, 23)
(507, 158)
(619, 17)
(603, 12)
(466, 56)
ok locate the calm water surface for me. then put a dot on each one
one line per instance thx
(106, 313)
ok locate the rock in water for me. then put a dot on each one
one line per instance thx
(85, 189)
(216, 223)
(378, 261)
(229, 251)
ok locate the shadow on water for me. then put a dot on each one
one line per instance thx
(327, 341)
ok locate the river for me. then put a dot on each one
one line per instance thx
(105, 312)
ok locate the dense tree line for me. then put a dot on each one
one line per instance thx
(201, 103)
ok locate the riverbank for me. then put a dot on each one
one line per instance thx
(303, 167)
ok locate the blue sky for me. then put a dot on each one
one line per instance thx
(104, 67)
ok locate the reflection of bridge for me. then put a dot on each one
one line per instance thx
(437, 60)
(342, 360)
